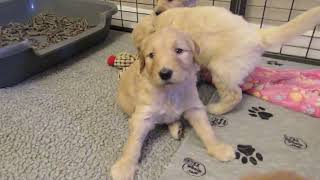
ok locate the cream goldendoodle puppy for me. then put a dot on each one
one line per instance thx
(160, 89)
(230, 46)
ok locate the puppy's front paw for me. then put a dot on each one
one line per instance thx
(222, 152)
(123, 170)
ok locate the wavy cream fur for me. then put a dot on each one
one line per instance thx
(230, 46)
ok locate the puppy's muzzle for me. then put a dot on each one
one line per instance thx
(165, 74)
(157, 13)
(158, 10)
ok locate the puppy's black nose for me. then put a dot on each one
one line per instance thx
(165, 74)
(157, 13)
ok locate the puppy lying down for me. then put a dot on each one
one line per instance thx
(160, 89)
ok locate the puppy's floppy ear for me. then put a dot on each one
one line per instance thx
(141, 48)
(141, 54)
(195, 49)
(189, 3)
(142, 60)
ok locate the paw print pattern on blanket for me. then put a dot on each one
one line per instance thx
(247, 152)
(295, 142)
(193, 167)
(219, 122)
(260, 112)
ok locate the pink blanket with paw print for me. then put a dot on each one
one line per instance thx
(295, 89)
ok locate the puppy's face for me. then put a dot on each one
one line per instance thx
(168, 57)
(163, 5)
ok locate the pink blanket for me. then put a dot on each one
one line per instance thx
(298, 90)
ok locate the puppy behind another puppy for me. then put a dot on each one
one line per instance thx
(230, 46)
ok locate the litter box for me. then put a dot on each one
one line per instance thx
(20, 61)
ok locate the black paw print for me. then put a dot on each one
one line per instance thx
(260, 112)
(274, 63)
(219, 122)
(248, 152)
(193, 168)
(295, 142)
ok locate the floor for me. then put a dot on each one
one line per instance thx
(64, 124)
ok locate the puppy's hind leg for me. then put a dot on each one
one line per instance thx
(176, 130)
(229, 98)
(228, 89)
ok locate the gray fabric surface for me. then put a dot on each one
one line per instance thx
(64, 123)
(266, 136)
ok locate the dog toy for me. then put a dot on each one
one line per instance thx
(121, 61)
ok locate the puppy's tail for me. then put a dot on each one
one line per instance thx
(300, 24)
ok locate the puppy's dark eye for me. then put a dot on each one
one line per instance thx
(170, 0)
(151, 55)
(179, 50)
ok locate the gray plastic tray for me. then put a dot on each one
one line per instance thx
(20, 61)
